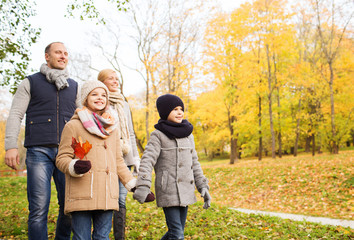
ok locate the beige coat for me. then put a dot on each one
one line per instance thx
(97, 189)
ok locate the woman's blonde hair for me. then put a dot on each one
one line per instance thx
(104, 74)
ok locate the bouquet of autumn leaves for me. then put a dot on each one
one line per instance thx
(80, 150)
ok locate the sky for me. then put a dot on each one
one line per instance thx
(56, 27)
(72, 32)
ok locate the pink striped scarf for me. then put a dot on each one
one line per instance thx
(100, 125)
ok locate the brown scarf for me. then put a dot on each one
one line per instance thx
(117, 101)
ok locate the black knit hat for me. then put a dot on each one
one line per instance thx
(166, 103)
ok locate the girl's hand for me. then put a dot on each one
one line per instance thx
(82, 166)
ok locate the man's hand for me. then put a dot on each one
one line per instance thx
(12, 158)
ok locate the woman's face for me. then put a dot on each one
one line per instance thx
(112, 82)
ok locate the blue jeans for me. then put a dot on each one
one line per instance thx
(175, 220)
(122, 194)
(41, 167)
(81, 224)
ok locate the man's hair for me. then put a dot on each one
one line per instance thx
(47, 48)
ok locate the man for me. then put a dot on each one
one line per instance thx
(48, 99)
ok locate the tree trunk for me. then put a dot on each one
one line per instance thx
(270, 103)
(260, 147)
(138, 143)
(280, 145)
(319, 140)
(334, 137)
(233, 141)
(313, 145)
(280, 151)
(297, 132)
(234, 151)
(307, 145)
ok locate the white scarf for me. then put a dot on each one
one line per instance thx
(117, 100)
(56, 76)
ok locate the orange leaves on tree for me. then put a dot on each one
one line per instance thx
(80, 149)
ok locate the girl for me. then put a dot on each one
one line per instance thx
(129, 149)
(91, 191)
(171, 152)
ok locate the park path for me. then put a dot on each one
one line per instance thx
(297, 217)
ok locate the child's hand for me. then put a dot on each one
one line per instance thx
(207, 199)
(82, 166)
(150, 197)
(141, 193)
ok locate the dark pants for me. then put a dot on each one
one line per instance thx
(175, 220)
(41, 167)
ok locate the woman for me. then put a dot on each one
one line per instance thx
(129, 149)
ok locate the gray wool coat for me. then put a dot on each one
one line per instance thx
(177, 170)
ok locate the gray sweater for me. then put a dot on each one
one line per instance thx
(177, 170)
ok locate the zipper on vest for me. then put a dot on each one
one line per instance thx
(58, 117)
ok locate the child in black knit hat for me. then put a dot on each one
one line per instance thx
(171, 152)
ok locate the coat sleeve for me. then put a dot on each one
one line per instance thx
(65, 152)
(125, 176)
(134, 148)
(200, 180)
(148, 160)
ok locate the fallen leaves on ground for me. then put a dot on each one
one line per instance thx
(314, 186)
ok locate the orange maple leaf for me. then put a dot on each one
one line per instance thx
(80, 150)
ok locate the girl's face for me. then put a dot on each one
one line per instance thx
(176, 115)
(112, 82)
(97, 100)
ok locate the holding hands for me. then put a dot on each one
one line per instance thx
(143, 194)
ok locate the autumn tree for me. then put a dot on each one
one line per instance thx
(165, 34)
(209, 116)
(332, 24)
(17, 35)
(223, 48)
(87, 9)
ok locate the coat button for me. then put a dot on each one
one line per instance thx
(179, 180)
(180, 165)
(191, 150)
(192, 181)
(180, 149)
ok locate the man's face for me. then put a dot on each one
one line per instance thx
(57, 57)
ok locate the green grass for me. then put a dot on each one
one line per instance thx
(275, 185)
(319, 186)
